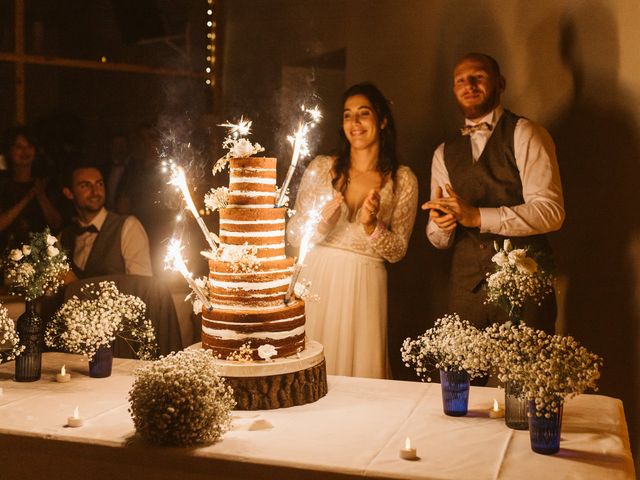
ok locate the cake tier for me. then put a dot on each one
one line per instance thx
(252, 182)
(262, 228)
(225, 331)
(266, 287)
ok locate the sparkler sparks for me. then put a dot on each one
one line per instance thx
(240, 129)
(174, 261)
(300, 146)
(179, 180)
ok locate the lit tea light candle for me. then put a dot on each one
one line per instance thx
(75, 421)
(497, 411)
(408, 452)
(63, 376)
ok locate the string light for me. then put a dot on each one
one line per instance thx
(211, 46)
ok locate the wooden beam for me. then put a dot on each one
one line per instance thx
(97, 65)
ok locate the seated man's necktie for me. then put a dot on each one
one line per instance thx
(88, 229)
(469, 129)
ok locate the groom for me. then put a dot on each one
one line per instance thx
(498, 178)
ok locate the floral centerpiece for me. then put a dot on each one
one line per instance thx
(10, 346)
(104, 313)
(452, 344)
(518, 279)
(37, 268)
(181, 400)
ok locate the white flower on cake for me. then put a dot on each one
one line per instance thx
(302, 289)
(267, 351)
(216, 199)
(16, 255)
(26, 249)
(243, 258)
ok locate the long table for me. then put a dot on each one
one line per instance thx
(355, 431)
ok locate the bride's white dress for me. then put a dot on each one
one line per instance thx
(346, 270)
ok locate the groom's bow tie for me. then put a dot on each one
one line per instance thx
(469, 129)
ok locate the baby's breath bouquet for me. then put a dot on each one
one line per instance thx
(181, 400)
(10, 347)
(451, 345)
(518, 279)
(104, 313)
(562, 368)
(36, 268)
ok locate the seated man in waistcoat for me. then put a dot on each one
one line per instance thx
(101, 242)
(497, 178)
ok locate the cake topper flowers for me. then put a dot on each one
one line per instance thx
(237, 145)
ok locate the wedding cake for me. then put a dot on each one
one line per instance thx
(249, 281)
(258, 334)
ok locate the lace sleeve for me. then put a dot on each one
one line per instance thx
(391, 242)
(315, 188)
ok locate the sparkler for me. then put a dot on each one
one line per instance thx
(240, 129)
(179, 180)
(309, 229)
(300, 147)
(174, 261)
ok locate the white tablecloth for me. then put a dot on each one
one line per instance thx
(356, 430)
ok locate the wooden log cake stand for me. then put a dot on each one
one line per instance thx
(282, 382)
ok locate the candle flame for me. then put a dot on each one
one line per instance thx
(62, 370)
(495, 405)
(407, 443)
(76, 413)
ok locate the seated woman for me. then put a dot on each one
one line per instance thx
(25, 205)
(368, 205)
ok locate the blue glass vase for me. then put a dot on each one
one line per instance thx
(100, 364)
(455, 393)
(30, 329)
(545, 432)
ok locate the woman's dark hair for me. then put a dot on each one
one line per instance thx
(9, 139)
(388, 158)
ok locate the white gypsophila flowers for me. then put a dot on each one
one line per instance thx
(181, 400)
(451, 345)
(518, 279)
(216, 199)
(37, 268)
(84, 325)
(10, 346)
(545, 367)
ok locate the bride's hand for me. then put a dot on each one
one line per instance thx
(368, 216)
(330, 213)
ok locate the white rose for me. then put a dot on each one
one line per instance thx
(26, 249)
(527, 265)
(517, 256)
(16, 255)
(242, 148)
(51, 240)
(197, 306)
(266, 351)
(52, 251)
(500, 258)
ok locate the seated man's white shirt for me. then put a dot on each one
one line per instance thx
(134, 245)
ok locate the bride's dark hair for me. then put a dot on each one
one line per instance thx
(388, 159)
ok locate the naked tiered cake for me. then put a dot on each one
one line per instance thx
(259, 339)
(248, 300)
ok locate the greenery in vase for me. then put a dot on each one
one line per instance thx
(37, 268)
(10, 346)
(104, 313)
(518, 279)
(451, 345)
(181, 400)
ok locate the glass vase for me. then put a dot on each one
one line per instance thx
(30, 329)
(101, 363)
(516, 407)
(455, 393)
(545, 432)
